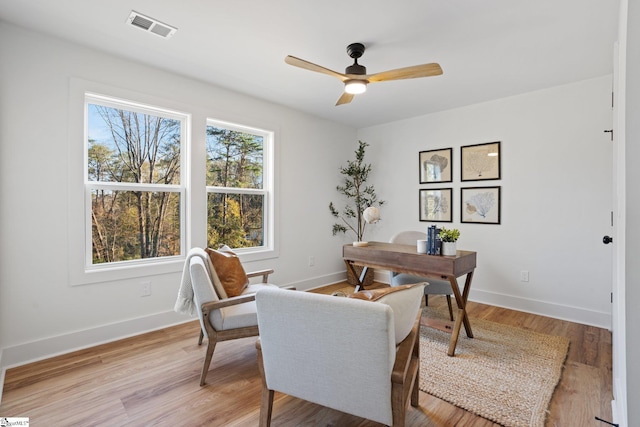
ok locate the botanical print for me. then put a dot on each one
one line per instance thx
(435, 166)
(435, 205)
(480, 162)
(480, 204)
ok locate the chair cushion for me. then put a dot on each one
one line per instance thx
(229, 270)
(404, 301)
(434, 287)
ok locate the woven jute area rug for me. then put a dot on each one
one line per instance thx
(504, 374)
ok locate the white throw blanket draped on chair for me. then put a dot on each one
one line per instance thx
(185, 303)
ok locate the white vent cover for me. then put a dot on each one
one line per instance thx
(151, 25)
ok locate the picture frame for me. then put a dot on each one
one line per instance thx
(480, 162)
(436, 204)
(480, 205)
(435, 166)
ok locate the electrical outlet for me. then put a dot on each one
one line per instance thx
(524, 276)
(312, 261)
(145, 289)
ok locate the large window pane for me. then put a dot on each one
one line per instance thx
(236, 220)
(128, 146)
(234, 158)
(133, 169)
(131, 225)
(236, 185)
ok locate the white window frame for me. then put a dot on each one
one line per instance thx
(267, 191)
(111, 102)
(81, 269)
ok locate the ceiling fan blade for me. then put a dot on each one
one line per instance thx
(345, 99)
(424, 70)
(297, 62)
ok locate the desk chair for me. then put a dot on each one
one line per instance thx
(435, 287)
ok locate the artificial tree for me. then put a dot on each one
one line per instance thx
(360, 196)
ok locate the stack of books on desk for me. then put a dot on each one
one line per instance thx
(434, 244)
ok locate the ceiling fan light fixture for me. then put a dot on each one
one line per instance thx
(355, 87)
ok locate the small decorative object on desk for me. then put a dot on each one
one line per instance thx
(433, 240)
(449, 239)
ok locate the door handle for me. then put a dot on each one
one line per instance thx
(606, 240)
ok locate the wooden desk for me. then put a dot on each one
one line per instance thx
(405, 259)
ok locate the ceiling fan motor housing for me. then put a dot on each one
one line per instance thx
(356, 69)
(355, 51)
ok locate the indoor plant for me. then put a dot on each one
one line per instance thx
(360, 196)
(449, 237)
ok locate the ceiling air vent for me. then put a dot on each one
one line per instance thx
(151, 25)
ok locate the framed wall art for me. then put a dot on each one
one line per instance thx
(480, 162)
(435, 166)
(480, 205)
(436, 204)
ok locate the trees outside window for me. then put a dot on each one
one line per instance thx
(133, 181)
(238, 186)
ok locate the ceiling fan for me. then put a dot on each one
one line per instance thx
(355, 77)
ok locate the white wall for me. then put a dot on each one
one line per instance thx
(556, 191)
(40, 313)
(556, 195)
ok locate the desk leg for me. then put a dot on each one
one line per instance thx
(455, 333)
(465, 296)
(359, 278)
(461, 318)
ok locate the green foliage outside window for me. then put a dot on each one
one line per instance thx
(236, 200)
(127, 147)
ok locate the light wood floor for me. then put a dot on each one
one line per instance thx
(152, 380)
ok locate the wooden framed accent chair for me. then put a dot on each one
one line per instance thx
(355, 356)
(435, 286)
(215, 286)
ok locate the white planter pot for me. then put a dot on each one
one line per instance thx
(448, 248)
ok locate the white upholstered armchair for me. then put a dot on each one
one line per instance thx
(222, 317)
(341, 352)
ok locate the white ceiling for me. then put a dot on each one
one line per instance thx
(488, 49)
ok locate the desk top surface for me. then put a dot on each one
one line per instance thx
(406, 259)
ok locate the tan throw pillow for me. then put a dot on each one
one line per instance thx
(376, 294)
(229, 270)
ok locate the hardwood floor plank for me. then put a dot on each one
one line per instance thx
(153, 380)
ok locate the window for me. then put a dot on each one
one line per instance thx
(134, 182)
(239, 187)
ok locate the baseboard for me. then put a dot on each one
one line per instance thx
(54, 346)
(544, 308)
(319, 281)
(527, 305)
(34, 351)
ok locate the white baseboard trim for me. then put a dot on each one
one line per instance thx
(54, 346)
(22, 354)
(319, 281)
(544, 308)
(527, 305)
(34, 351)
